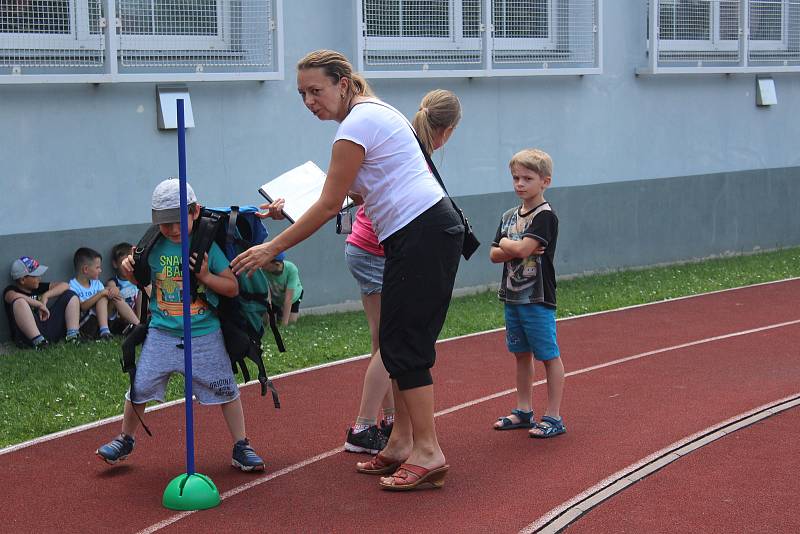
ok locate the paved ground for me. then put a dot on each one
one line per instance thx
(640, 379)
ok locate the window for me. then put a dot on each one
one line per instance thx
(60, 24)
(163, 40)
(172, 24)
(709, 25)
(699, 24)
(523, 24)
(707, 36)
(422, 24)
(478, 37)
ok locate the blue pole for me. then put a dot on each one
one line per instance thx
(187, 295)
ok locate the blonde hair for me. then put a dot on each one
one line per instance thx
(440, 109)
(534, 160)
(336, 66)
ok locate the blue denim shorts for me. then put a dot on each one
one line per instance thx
(532, 328)
(366, 268)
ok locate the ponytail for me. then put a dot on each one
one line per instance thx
(440, 109)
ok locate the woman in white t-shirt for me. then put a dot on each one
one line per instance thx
(375, 156)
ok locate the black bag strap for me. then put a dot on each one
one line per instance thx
(141, 269)
(427, 156)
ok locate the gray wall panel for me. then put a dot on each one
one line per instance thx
(602, 227)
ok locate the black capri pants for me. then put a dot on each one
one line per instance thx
(418, 276)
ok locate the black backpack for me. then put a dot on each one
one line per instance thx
(234, 229)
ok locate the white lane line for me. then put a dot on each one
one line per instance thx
(244, 487)
(575, 507)
(309, 461)
(115, 418)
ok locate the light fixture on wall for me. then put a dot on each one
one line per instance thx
(166, 104)
(765, 91)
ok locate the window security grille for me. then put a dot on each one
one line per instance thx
(155, 40)
(60, 35)
(408, 38)
(708, 35)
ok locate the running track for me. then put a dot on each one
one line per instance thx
(641, 381)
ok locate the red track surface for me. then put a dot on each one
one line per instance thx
(499, 481)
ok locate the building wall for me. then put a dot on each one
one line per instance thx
(647, 169)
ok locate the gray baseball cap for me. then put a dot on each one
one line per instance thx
(167, 201)
(26, 266)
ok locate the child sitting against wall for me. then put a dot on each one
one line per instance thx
(39, 313)
(94, 297)
(120, 321)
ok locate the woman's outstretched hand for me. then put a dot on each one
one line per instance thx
(253, 259)
(272, 210)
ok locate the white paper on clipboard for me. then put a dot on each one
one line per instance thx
(299, 187)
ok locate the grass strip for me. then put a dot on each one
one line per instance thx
(65, 386)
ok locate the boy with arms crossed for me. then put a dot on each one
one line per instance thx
(162, 352)
(526, 244)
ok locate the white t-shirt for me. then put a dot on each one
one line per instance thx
(394, 178)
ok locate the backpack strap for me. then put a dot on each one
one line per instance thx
(203, 235)
(141, 267)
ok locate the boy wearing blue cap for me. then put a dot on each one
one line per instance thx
(39, 313)
(285, 288)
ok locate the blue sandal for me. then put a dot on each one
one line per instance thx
(525, 420)
(550, 427)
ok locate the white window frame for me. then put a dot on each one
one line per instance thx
(455, 41)
(108, 44)
(783, 43)
(78, 37)
(712, 44)
(716, 44)
(529, 43)
(744, 45)
(173, 42)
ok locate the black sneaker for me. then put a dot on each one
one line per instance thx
(370, 441)
(117, 449)
(42, 345)
(244, 457)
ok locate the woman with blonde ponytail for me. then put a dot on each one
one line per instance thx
(376, 159)
(438, 115)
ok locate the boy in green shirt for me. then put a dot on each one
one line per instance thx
(285, 288)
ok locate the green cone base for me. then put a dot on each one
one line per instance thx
(191, 492)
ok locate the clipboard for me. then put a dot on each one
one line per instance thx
(300, 188)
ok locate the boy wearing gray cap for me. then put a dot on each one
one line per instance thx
(162, 353)
(38, 312)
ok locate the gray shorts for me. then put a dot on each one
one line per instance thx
(212, 377)
(366, 268)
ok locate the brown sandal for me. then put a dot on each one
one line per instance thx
(378, 465)
(410, 476)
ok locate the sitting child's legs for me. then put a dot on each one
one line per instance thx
(101, 311)
(117, 307)
(25, 320)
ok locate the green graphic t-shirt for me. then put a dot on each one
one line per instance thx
(279, 283)
(166, 302)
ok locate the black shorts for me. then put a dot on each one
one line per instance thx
(294, 309)
(418, 277)
(54, 328)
